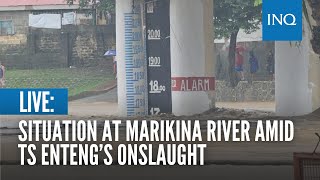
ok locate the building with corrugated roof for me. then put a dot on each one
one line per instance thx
(51, 33)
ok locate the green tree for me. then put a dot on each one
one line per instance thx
(312, 12)
(96, 5)
(229, 17)
(103, 5)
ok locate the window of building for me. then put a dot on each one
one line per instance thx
(6, 28)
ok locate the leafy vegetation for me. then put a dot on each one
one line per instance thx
(315, 14)
(101, 6)
(229, 17)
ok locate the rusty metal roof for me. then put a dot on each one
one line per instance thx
(13, 3)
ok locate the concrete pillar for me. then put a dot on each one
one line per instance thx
(123, 6)
(296, 77)
(292, 91)
(130, 58)
(192, 56)
(314, 63)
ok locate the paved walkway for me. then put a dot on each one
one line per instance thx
(101, 105)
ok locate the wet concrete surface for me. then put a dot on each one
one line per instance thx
(111, 97)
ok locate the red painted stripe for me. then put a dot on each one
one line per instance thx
(193, 84)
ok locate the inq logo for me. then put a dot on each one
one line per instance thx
(288, 19)
(282, 20)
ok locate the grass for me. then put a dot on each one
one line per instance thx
(76, 80)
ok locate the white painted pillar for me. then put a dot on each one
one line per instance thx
(297, 75)
(192, 56)
(293, 93)
(130, 58)
(122, 7)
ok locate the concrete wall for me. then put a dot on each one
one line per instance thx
(20, 20)
(81, 45)
(76, 46)
(257, 91)
(14, 45)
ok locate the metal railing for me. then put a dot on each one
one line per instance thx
(307, 165)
